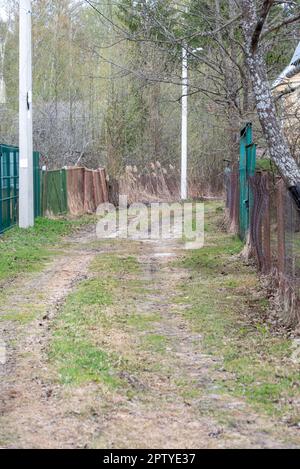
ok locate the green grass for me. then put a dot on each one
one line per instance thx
(113, 264)
(88, 314)
(74, 349)
(142, 322)
(27, 250)
(221, 306)
(213, 257)
(93, 292)
(25, 315)
(83, 362)
(156, 343)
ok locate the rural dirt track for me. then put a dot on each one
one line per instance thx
(36, 411)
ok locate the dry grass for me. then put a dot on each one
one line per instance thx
(152, 184)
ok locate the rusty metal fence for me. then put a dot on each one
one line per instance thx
(274, 235)
(86, 189)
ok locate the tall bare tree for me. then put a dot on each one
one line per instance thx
(254, 25)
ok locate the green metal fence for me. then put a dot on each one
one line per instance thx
(54, 190)
(247, 169)
(9, 186)
(37, 185)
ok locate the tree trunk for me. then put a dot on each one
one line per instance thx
(278, 147)
(230, 81)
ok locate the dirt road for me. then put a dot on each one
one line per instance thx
(123, 367)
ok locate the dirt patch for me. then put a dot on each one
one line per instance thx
(180, 406)
(26, 313)
(169, 395)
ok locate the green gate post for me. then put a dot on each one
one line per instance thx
(15, 182)
(1, 226)
(245, 161)
(37, 184)
(63, 180)
(8, 191)
(251, 166)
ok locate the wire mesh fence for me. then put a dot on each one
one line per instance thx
(274, 235)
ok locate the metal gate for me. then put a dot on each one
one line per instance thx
(9, 186)
(247, 169)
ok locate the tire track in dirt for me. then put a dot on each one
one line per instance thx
(162, 417)
(39, 295)
(37, 412)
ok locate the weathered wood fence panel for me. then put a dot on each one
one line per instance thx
(74, 190)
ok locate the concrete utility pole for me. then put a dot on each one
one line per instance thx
(184, 123)
(184, 119)
(26, 205)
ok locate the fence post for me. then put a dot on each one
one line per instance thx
(85, 189)
(44, 193)
(243, 185)
(236, 203)
(104, 184)
(1, 194)
(36, 184)
(280, 227)
(267, 228)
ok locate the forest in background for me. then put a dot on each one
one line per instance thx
(107, 81)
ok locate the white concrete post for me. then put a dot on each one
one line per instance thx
(184, 124)
(26, 204)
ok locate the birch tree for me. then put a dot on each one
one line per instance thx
(254, 26)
